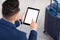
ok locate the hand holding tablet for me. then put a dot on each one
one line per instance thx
(31, 13)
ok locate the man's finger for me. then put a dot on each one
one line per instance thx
(33, 20)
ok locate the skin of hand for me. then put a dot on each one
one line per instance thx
(33, 25)
(22, 18)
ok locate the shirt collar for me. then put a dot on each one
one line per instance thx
(7, 24)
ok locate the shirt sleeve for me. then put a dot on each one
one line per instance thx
(17, 23)
(33, 35)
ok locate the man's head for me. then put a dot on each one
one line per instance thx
(10, 9)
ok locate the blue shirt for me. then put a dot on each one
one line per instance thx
(8, 31)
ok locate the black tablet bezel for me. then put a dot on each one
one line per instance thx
(26, 14)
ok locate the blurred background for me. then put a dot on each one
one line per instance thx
(40, 4)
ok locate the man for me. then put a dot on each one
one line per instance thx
(9, 22)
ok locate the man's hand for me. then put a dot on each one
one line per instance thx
(22, 18)
(33, 25)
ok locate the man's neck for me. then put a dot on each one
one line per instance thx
(11, 21)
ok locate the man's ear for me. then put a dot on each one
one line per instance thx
(15, 17)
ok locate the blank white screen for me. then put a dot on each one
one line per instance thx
(31, 14)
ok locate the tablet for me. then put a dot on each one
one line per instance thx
(32, 13)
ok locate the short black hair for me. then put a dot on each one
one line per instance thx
(10, 8)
